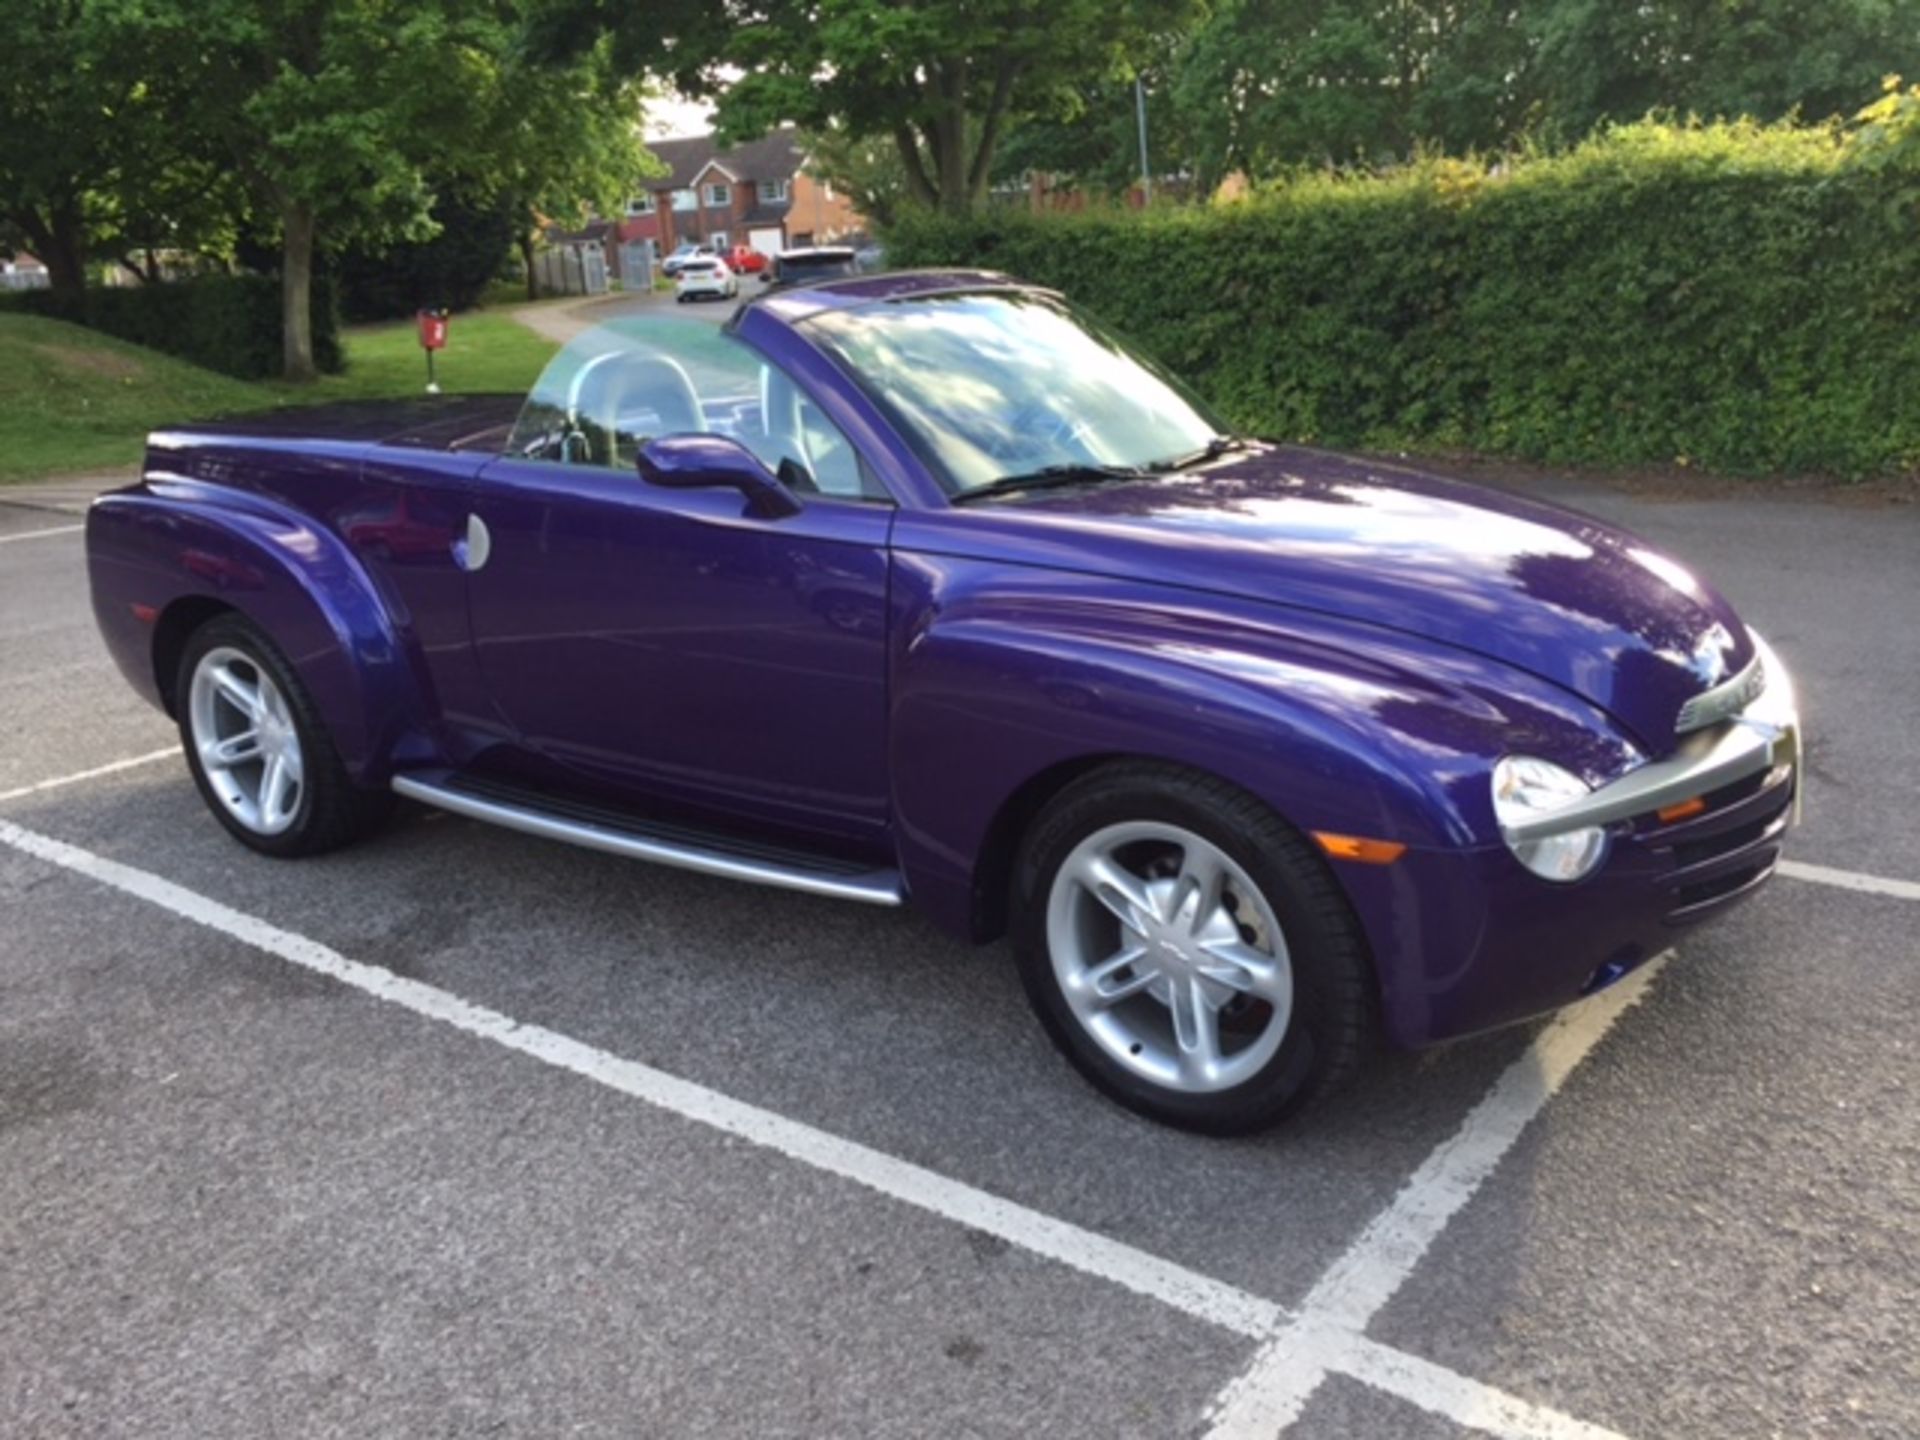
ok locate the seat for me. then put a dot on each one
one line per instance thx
(802, 445)
(622, 400)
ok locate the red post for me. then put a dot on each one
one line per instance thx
(433, 336)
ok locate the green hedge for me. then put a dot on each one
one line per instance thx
(229, 323)
(1742, 298)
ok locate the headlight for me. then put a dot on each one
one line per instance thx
(1525, 787)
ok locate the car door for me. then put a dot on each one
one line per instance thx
(668, 646)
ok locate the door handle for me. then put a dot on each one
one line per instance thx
(470, 552)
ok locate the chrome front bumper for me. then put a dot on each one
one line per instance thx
(1764, 735)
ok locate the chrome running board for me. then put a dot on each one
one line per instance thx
(636, 840)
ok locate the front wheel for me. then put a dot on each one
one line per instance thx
(258, 751)
(1188, 951)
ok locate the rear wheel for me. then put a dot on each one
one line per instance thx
(258, 751)
(1188, 951)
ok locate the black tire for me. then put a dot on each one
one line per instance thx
(331, 811)
(1333, 1021)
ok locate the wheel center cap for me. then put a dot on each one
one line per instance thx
(1171, 954)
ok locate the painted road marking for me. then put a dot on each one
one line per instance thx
(1267, 1397)
(1299, 1350)
(1463, 1401)
(98, 770)
(42, 534)
(1849, 880)
(1200, 1296)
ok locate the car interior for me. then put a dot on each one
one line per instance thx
(619, 401)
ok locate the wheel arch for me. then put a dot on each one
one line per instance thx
(1000, 847)
(162, 565)
(171, 632)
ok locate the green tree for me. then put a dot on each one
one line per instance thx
(1265, 85)
(563, 140)
(1593, 61)
(1092, 136)
(867, 169)
(939, 79)
(330, 112)
(85, 90)
(1262, 85)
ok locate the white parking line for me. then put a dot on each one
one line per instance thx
(1269, 1395)
(1463, 1401)
(98, 770)
(1200, 1296)
(1132, 1269)
(1849, 880)
(41, 534)
(1299, 1350)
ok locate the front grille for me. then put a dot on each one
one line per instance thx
(1713, 858)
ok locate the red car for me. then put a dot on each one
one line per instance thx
(743, 259)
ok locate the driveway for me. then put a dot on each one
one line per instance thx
(460, 1132)
(560, 321)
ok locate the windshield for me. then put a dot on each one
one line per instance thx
(997, 384)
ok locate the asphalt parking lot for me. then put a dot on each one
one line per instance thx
(458, 1132)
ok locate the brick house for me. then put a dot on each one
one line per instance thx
(757, 194)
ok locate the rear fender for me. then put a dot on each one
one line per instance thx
(163, 544)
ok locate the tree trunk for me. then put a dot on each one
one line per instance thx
(296, 291)
(919, 185)
(982, 169)
(66, 264)
(950, 159)
(533, 276)
(56, 241)
(950, 138)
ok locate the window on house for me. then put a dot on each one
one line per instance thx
(641, 204)
(719, 194)
(686, 200)
(773, 192)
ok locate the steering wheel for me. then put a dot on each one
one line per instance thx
(1038, 428)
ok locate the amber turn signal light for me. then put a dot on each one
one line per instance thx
(1685, 810)
(1357, 848)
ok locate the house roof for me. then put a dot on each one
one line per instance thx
(772, 157)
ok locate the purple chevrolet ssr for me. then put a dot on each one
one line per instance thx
(924, 585)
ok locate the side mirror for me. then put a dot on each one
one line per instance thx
(704, 462)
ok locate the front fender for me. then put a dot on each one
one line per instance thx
(163, 544)
(1005, 673)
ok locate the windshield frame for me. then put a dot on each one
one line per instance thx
(816, 328)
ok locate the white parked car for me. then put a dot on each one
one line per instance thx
(687, 250)
(705, 275)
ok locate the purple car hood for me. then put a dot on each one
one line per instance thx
(1570, 599)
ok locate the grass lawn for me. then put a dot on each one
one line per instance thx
(72, 399)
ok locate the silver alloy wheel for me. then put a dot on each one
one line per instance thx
(246, 740)
(1169, 956)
